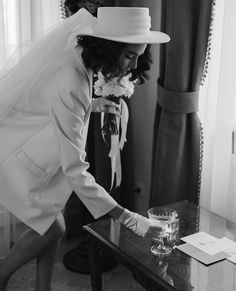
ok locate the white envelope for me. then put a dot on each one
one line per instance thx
(208, 243)
(200, 255)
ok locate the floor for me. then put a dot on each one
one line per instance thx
(118, 279)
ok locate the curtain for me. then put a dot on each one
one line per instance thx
(177, 140)
(218, 115)
(21, 20)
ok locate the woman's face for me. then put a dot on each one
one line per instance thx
(129, 57)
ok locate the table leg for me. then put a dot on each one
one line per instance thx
(95, 268)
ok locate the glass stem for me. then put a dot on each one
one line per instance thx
(161, 242)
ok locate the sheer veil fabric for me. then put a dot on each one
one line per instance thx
(43, 58)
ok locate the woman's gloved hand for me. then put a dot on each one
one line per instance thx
(103, 104)
(141, 225)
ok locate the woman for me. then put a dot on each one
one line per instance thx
(45, 105)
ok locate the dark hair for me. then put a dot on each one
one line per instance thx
(101, 54)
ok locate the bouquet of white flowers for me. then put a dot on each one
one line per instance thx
(114, 127)
(117, 87)
(114, 89)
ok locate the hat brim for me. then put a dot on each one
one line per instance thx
(151, 38)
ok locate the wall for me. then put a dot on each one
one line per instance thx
(143, 104)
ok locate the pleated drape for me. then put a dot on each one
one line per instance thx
(177, 143)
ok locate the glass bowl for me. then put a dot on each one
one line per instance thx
(162, 213)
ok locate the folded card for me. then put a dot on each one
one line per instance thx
(200, 255)
(208, 243)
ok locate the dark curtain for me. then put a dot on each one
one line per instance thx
(177, 144)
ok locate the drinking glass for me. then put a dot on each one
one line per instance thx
(168, 217)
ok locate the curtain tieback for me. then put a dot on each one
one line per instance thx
(178, 102)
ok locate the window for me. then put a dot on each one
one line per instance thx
(218, 114)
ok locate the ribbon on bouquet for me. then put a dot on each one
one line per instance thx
(117, 143)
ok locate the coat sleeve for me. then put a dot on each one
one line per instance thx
(70, 107)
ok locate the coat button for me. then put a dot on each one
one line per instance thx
(35, 197)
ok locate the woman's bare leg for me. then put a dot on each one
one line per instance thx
(28, 246)
(44, 269)
(45, 262)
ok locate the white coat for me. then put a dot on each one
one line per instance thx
(42, 149)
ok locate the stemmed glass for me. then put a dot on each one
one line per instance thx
(168, 217)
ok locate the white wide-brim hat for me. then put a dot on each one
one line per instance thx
(126, 24)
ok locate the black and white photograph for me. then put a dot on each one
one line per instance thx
(117, 145)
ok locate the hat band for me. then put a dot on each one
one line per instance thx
(135, 26)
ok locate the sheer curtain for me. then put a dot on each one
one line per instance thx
(21, 20)
(218, 115)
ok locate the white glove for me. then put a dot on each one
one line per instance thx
(139, 224)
